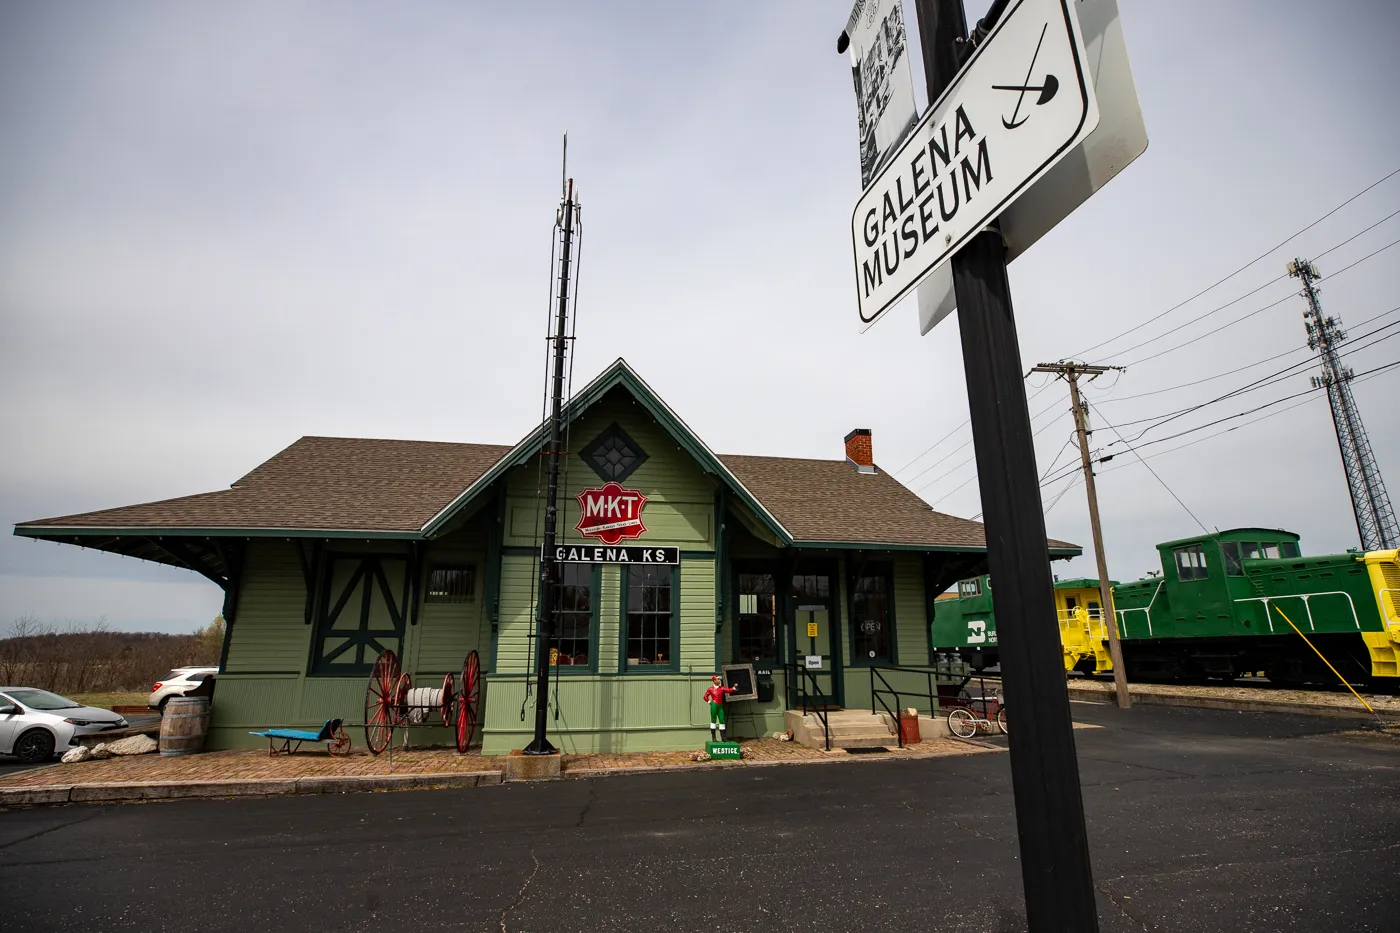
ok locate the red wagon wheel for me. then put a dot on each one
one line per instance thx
(340, 742)
(379, 702)
(469, 702)
(401, 692)
(445, 706)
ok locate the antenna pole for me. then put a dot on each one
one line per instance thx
(1370, 503)
(549, 567)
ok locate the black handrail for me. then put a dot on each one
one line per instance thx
(801, 676)
(878, 695)
(874, 695)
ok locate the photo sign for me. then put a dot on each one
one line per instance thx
(885, 108)
(1021, 103)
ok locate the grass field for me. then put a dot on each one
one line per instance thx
(108, 700)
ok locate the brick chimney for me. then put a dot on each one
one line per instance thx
(859, 450)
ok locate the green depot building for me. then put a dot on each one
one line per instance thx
(813, 571)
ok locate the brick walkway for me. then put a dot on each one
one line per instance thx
(247, 764)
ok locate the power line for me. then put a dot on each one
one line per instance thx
(1265, 381)
(1155, 476)
(1242, 318)
(964, 462)
(950, 434)
(1256, 259)
(1380, 371)
(1278, 401)
(1231, 372)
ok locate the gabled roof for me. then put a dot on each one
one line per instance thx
(328, 486)
(325, 484)
(618, 374)
(828, 503)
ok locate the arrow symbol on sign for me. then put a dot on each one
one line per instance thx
(1046, 90)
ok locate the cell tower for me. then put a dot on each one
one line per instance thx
(1375, 518)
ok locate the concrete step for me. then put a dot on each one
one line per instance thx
(852, 741)
(853, 729)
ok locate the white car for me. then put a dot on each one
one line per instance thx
(35, 723)
(183, 681)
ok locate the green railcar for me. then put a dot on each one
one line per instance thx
(1242, 601)
(1224, 604)
(965, 626)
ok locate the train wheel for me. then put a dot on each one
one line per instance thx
(961, 724)
(445, 707)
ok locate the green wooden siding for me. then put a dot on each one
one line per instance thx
(605, 714)
(697, 650)
(447, 631)
(680, 498)
(609, 612)
(519, 582)
(910, 611)
(270, 633)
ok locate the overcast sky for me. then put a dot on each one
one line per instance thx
(224, 226)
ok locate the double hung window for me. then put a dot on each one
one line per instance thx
(572, 643)
(872, 618)
(758, 617)
(649, 613)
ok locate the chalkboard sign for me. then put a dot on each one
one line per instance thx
(741, 678)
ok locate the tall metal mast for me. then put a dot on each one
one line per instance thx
(1375, 518)
(549, 568)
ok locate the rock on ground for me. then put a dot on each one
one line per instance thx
(81, 753)
(133, 745)
(99, 752)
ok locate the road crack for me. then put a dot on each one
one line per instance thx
(51, 829)
(588, 804)
(1121, 909)
(520, 895)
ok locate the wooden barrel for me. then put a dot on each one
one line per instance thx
(184, 725)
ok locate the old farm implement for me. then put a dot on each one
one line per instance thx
(392, 702)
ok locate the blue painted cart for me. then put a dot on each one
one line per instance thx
(337, 742)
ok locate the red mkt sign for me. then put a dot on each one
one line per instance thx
(610, 513)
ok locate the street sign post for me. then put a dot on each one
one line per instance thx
(1021, 103)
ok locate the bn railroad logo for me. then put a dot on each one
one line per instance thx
(610, 513)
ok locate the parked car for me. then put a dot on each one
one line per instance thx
(182, 682)
(35, 723)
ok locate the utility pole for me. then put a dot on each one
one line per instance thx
(1055, 870)
(1370, 503)
(549, 567)
(1071, 372)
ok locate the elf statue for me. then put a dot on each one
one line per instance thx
(715, 697)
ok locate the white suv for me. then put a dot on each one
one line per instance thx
(183, 681)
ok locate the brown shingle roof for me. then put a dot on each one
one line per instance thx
(827, 500)
(320, 483)
(360, 484)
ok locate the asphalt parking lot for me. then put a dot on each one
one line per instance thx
(1199, 821)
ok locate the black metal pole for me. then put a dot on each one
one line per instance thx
(549, 568)
(1055, 869)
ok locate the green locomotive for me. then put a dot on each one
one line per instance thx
(1236, 602)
